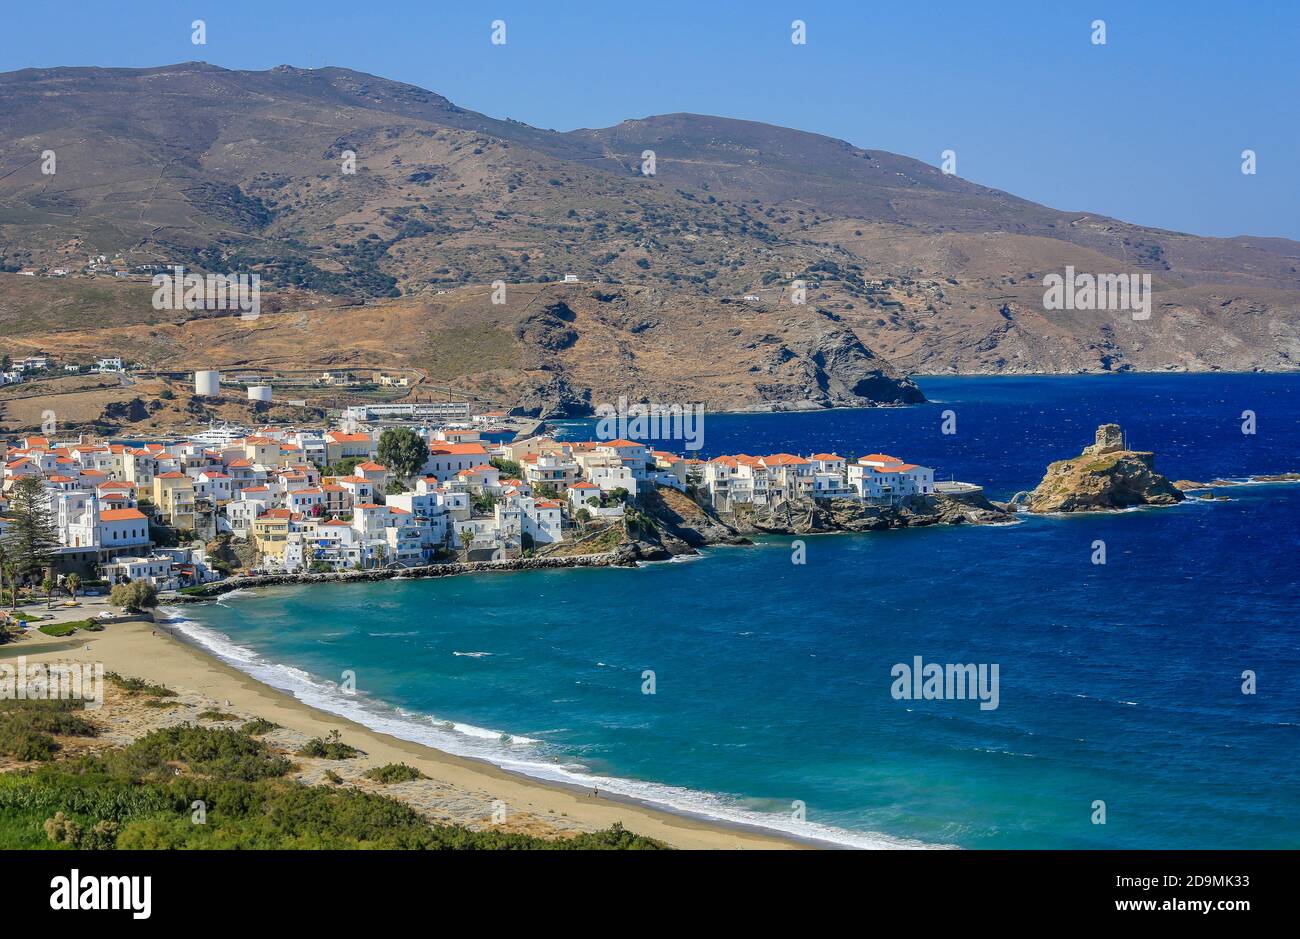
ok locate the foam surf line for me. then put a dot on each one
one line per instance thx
(495, 747)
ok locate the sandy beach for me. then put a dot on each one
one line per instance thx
(458, 789)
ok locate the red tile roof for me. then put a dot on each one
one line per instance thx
(121, 515)
(440, 447)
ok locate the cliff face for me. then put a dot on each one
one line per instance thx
(679, 525)
(1105, 476)
(809, 517)
(579, 346)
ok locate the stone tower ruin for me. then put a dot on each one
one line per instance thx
(1110, 439)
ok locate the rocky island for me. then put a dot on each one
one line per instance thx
(1105, 476)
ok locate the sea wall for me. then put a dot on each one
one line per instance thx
(213, 590)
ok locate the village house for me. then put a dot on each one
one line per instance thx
(374, 473)
(270, 532)
(448, 459)
(339, 446)
(883, 477)
(154, 569)
(173, 494)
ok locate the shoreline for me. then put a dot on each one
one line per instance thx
(214, 589)
(377, 716)
(158, 652)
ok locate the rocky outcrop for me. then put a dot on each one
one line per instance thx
(811, 517)
(1187, 485)
(549, 329)
(814, 361)
(852, 371)
(681, 519)
(1105, 476)
(554, 397)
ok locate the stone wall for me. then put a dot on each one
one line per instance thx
(608, 559)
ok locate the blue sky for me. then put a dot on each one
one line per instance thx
(1149, 127)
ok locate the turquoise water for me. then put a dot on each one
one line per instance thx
(1118, 682)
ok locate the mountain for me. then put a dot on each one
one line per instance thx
(908, 269)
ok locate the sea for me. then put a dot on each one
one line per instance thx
(1150, 701)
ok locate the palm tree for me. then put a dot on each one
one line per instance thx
(48, 586)
(72, 582)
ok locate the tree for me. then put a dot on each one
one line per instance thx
(134, 597)
(11, 574)
(343, 467)
(403, 451)
(32, 535)
(47, 588)
(509, 468)
(72, 582)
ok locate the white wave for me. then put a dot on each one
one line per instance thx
(502, 749)
(234, 595)
(675, 559)
(473, 655)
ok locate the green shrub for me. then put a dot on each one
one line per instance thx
(24, 743)
(139, 686)
(59, 717)
(127, 799)
(211, 751)
(212, 714)
(27, 728)
(329, 748)
(259, 726)
(394, 773)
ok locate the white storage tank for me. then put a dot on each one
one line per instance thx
(207, 383)
(259, 392)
